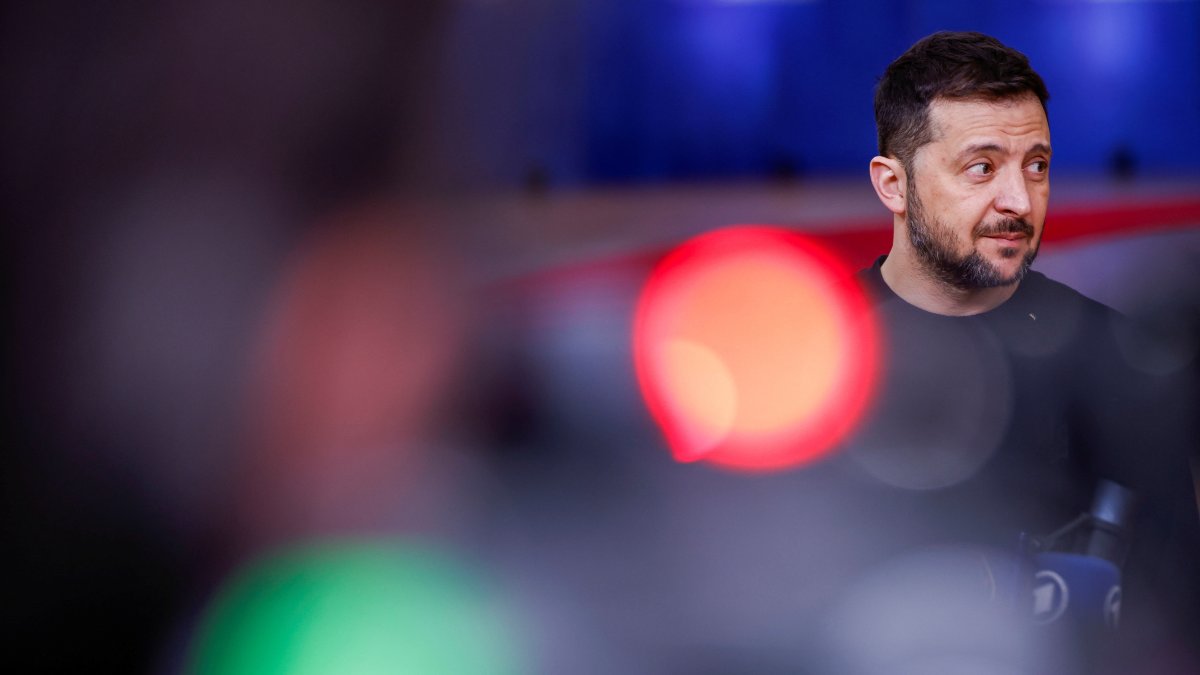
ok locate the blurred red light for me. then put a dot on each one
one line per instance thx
(754, 349)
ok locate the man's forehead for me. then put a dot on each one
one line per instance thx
(1004, 122)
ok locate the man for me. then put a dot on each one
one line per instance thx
(983, 151)
(1006, 397)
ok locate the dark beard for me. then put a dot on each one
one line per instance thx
(935, 249)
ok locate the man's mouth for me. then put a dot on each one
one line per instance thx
(1007, 230)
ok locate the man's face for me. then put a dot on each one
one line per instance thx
(977, 194)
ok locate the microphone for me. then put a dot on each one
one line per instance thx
(1077, 569)
(1111, 510)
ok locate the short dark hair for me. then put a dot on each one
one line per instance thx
(963, 66)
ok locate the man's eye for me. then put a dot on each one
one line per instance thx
(1040, 166)
(980, 169)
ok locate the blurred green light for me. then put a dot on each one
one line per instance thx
(357, 609)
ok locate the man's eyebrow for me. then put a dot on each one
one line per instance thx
(1040, 148)
(980, 147)
(977, 148)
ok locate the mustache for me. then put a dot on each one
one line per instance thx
(1005, 226)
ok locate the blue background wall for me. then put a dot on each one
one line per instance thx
(703, 88)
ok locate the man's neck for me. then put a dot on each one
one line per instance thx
(920, 288)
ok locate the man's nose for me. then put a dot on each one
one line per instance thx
(1012, 196)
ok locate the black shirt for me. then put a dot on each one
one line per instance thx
(1003, 420)
(986, 426)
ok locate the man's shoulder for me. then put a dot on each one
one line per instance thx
(1038, 289)
(1047, 316)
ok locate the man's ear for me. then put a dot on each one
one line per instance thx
(890, 182)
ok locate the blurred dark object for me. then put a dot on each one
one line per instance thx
(157, 160)
(537, 180)
(1122, 163)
